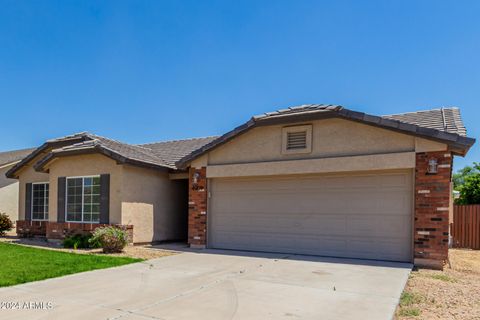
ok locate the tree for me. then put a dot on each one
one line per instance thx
(467, 181)
(462, 174)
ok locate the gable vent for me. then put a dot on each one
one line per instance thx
(296, 140)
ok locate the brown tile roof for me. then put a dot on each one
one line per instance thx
(156, 155)
(14, 156)
(303, 109)
(443, 119)
(439, 124)
(172, 151)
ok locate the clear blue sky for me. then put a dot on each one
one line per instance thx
(142, 71)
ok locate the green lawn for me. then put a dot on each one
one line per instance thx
(19, 264)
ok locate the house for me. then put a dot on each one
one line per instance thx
(314, 179)
(9, 187)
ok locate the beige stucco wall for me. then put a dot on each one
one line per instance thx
(87, 165)
(376, 162)
(154, 204)
(8, 194)
(28, 175)
(331, 138)
(424, 145)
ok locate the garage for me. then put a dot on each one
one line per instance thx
(363, 215)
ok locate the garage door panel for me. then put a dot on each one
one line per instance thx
(278, 242)
(382, 203)
(307, 224)
(379, 226)
(358, 216)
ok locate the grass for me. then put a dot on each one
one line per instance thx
(443, 277)
(409, 312)
(19, 264)
(409, 298)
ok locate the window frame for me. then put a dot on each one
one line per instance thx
(45, 202)
(83, 198)
(307, 128)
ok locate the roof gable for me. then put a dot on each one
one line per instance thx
(442, 125)
(48, 145)
(159, 155)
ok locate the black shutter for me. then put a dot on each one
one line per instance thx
(28, 202)
(61, 186)
(105, 198)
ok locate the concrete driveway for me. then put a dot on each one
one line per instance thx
(214, 284)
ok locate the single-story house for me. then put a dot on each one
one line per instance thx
(9, 187)
(313, 179)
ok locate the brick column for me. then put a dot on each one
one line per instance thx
(432, 204)
(197, 208)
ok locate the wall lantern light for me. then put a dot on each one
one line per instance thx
(432, 166)
(195, 178)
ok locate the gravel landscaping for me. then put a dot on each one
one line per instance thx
(450, 294)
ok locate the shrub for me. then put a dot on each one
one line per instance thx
(79, 241)
(6, 223)
(111, 239)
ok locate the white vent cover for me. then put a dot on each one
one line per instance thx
(296, 140)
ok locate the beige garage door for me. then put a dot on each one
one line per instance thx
(357, 216)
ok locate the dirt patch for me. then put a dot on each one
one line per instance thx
(146, 252)
(450, 294)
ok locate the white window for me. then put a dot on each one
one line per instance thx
(40, 201)
(297, 139)
(83, 199)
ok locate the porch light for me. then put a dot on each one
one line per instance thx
(432, 166)
(195, 178)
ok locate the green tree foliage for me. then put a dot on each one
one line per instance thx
(467, 181)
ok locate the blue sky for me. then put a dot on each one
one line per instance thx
(142, 71)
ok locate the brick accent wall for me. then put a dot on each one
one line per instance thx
(31, 228)
(60, 230)
(197, 208)
(432, 204)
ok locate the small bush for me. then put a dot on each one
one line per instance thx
(79, 241)
(6, 223)
(111, 239)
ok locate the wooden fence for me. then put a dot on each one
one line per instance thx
(465, 228)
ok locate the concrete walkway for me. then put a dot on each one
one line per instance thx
(213, 284)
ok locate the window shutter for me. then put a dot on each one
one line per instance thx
(104, 198)
(296, 140)
(62, 184)
(28, 202)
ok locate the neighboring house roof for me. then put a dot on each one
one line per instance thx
(444, 125)
(8, 157)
